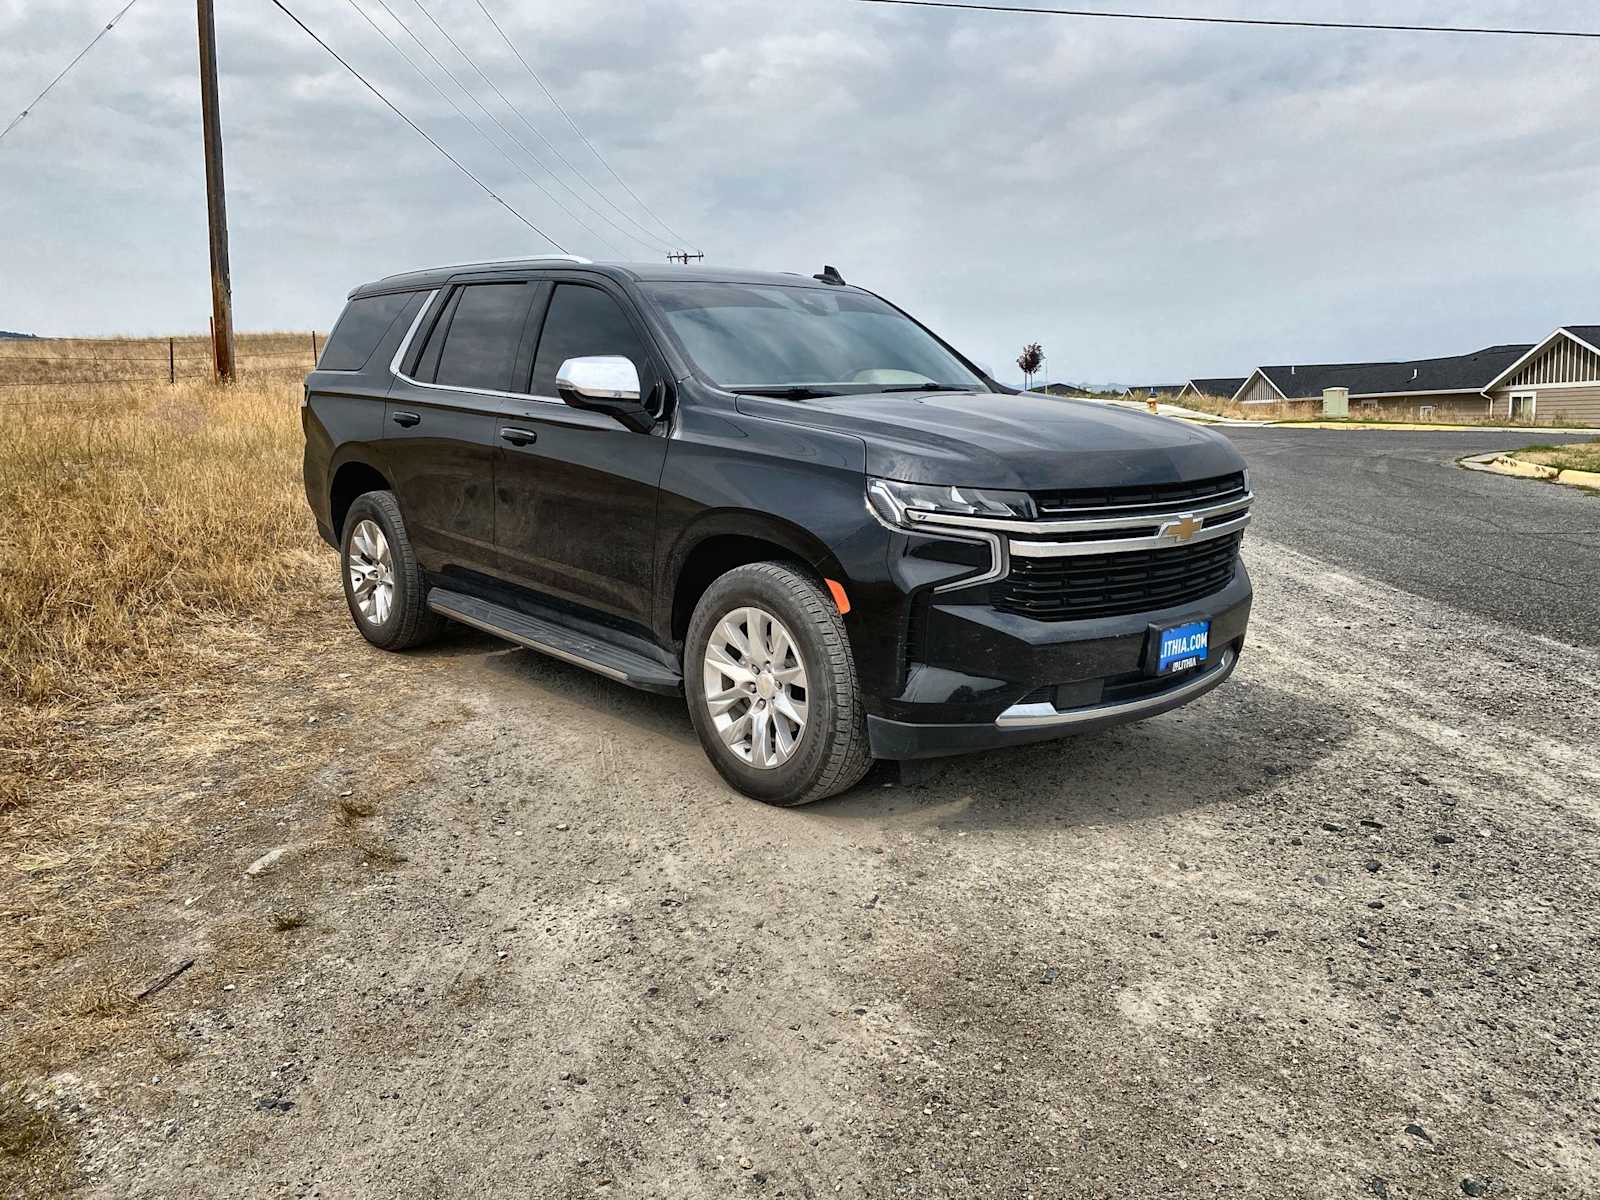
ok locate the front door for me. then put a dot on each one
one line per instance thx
(441, 423)
(576, 506)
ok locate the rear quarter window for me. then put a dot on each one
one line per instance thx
(361, 327)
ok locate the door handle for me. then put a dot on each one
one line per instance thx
(518, 437)
(406, 419)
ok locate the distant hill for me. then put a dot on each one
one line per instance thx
(24, 337)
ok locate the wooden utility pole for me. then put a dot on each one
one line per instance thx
(216, 199)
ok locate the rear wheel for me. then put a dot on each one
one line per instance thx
(772, 686)
(383, 584)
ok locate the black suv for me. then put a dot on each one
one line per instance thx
(778, 495)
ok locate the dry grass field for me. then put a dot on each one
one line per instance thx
(159, 576)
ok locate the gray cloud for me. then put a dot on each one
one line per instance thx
(1150, 201)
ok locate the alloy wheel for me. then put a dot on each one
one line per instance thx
(755, 687)
(371, 570)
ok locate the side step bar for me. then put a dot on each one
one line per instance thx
(549, 637)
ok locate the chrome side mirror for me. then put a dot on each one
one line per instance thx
(598, 377)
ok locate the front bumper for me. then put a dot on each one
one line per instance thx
(985, 678)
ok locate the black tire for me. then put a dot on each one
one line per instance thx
(409, 621)
(831, 753)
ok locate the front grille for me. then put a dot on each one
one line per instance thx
(1078, 587)
(1196, 494)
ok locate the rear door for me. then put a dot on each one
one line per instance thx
(441, 421)
(576, 505)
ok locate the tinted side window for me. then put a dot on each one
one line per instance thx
(481, 345)
(583, 321)
(361, 327)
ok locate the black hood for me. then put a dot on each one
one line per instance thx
(1028, 443)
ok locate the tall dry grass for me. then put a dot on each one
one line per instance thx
(129, 514)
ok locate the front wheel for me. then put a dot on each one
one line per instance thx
(772, 686)
(383, 584)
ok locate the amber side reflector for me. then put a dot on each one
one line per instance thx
(839, 598)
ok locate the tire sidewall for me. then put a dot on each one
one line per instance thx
(388, 632)
(792, 780)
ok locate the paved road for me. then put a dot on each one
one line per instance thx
(1395, 507)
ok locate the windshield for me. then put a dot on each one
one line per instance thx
(805, 341)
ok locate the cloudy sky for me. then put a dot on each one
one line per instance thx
(1150, 201)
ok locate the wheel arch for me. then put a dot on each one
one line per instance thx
(720, 542)
(352, 478)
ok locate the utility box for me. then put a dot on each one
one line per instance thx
(1336, 402)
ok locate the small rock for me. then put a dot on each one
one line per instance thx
(1373, 865)
(1444, 839)
(1332, 827)
(1474, 1187)
(562, 828)
(1416, 1130)
(267, 861)
(1374, 903)
(1050, 974)
(1367, 823)
(745, 1162)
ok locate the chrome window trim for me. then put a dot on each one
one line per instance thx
(1158, 541)
(405, 346)
(1132, 521)
(1044, 715)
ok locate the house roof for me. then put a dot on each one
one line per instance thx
(1585, 333)
(1153, 389)
(1455, 373)
(1589, 335)
(1225, 386)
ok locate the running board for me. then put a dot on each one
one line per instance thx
(549, 637)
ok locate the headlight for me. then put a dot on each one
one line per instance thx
(892, 499)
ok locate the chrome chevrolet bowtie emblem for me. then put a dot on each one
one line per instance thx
(1184, 528)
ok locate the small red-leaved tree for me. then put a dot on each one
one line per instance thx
(1030, 360)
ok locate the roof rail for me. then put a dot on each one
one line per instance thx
(492, 262)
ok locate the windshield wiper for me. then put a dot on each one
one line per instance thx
(925, 387)
(786, 391)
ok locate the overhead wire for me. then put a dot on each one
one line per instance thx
(653, 240)
(1271, 22)
(600, 158)
(476, 128)
(66, 70)
(459, 165)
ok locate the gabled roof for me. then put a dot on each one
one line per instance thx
(1225, 386)
(1588, 335)
(1455, 373)
(1154, 389)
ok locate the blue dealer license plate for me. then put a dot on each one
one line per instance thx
(1183, 647)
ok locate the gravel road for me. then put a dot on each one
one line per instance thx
(1329, 932)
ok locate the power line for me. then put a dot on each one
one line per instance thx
(499, 124)
(1260, 21)
(419, 129)
(654, 240)
(17, 120)
(534, 75)
(476, 128)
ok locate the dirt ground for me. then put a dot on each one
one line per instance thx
(1330, 931)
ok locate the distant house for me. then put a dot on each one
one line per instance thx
(1558, 379)
(1223, 387)
(1152, 391)
(1457, 386)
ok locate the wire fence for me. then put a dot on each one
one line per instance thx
(179, 361)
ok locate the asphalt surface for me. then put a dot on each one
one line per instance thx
(1395, 507)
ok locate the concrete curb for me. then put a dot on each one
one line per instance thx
(1502, 464)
